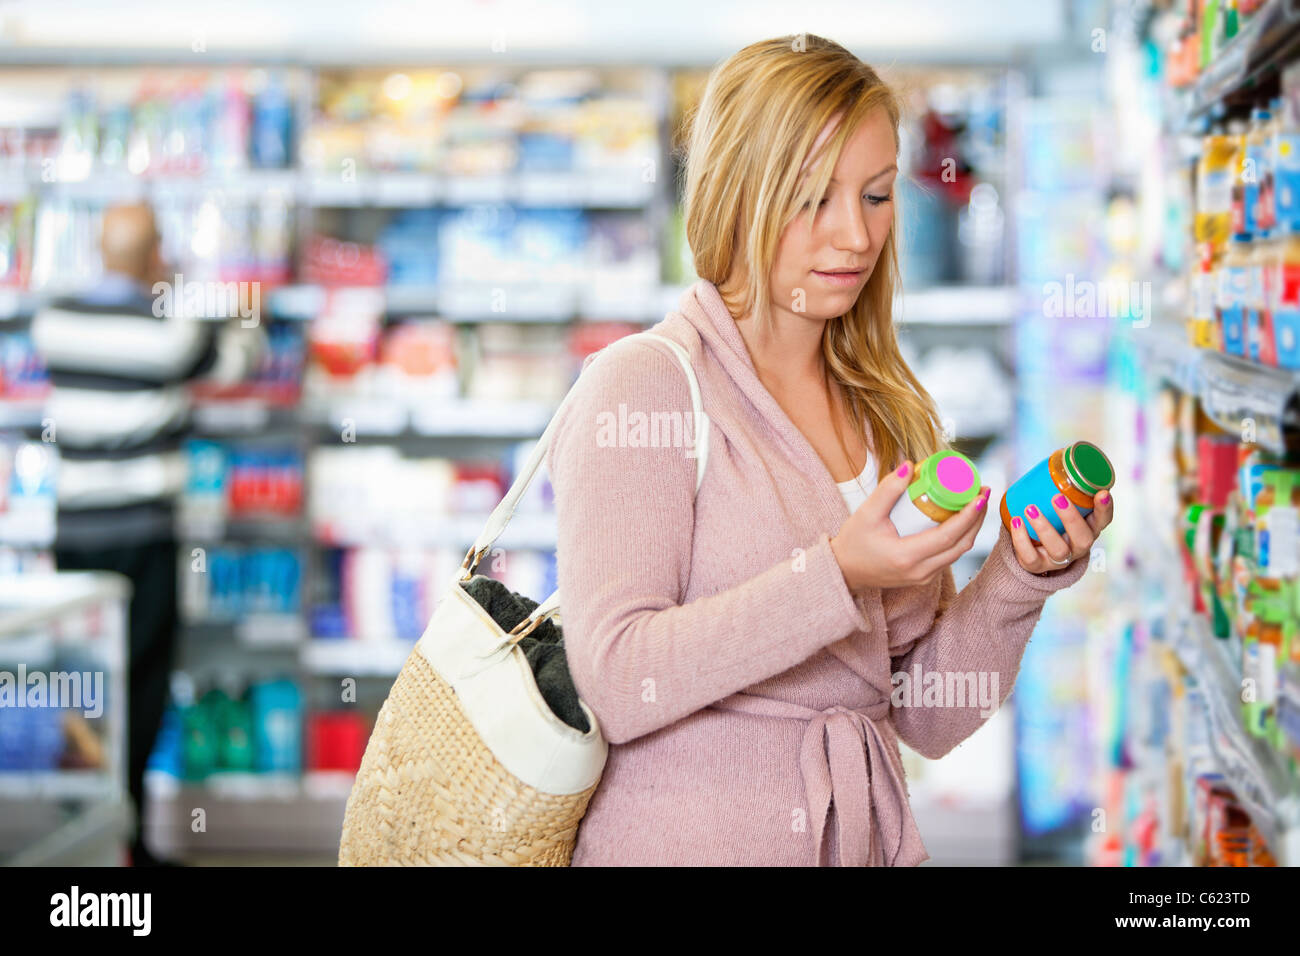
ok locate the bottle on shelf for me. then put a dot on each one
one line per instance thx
(1214, 179)
(1234, 294)
(1262, 343)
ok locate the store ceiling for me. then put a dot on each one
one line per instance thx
(667, 31)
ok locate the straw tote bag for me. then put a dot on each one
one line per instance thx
(467, 765)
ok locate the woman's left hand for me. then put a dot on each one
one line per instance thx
(1055, 551)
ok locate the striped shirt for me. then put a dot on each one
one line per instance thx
(119, 410)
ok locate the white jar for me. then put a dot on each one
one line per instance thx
(908, 518)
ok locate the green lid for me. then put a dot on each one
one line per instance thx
(948, 478)
(1272, 610)
(1088, 467)
(1282, 481)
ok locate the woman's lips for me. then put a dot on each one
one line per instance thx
(840, 279)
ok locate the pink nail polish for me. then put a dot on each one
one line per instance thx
(1103, 498)
(983, 501)
(903, 470)
(1031, 511)
(1015, 522)
(1060, 502)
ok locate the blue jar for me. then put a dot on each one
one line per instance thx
(1079, 471)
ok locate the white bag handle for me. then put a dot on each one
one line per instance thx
(504, 511)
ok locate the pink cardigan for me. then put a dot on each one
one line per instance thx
(745, 691)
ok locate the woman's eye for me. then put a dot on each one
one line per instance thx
(877, 200)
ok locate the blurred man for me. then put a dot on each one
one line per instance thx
(118, 414)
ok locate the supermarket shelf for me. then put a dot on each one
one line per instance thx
(19, 303)
(247, 812)
(283, 529)
(1250, 769)
(1250, 61)
(593, 189)
(597, 189)
(526, 531)
(95, 836)
(56, 785)
(268, 630)
(1231, 389)
(243, 416)
(21, 414)
(355, 658)
(374, 417)
(551, 302)
(478, 302)
(958, 305)
(477, 417)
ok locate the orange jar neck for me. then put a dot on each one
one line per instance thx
(930, 509)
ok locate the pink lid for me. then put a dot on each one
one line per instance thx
(954, 474)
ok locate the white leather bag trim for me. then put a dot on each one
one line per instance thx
(496, 687)
(499, 695)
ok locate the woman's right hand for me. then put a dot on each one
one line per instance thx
(871, 554)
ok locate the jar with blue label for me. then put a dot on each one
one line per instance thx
(1234, 294)
(1285, 167)
(1079, 471)
(1260, 343)
(1258, 159)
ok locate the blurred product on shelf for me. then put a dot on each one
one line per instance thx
(1202, 34)
(360, 494)
(518, 363)
(382, 594)
(28, 493)
(16, 236)
(168, 123)
(257, 728)
(32, 738)
(496, 244)
(161, 130)
(376, 494)
(232, 583)
(953, 223)
(1246, 282)
(336, 740)
(471, 123)
(335, 262)
(970, 388)
(226, 481)
(409, 246)
(344, 336)
(277, 381)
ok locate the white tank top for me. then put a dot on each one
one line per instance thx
(855, 495)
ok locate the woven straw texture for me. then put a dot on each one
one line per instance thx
(429, 793)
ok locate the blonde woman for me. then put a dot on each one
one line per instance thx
(737, 646)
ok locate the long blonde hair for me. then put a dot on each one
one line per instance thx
(757, 120)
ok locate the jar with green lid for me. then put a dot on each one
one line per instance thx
(944, 483)
(1079, 471)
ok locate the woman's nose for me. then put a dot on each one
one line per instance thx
(851, 230)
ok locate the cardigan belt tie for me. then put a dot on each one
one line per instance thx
(843, 756)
